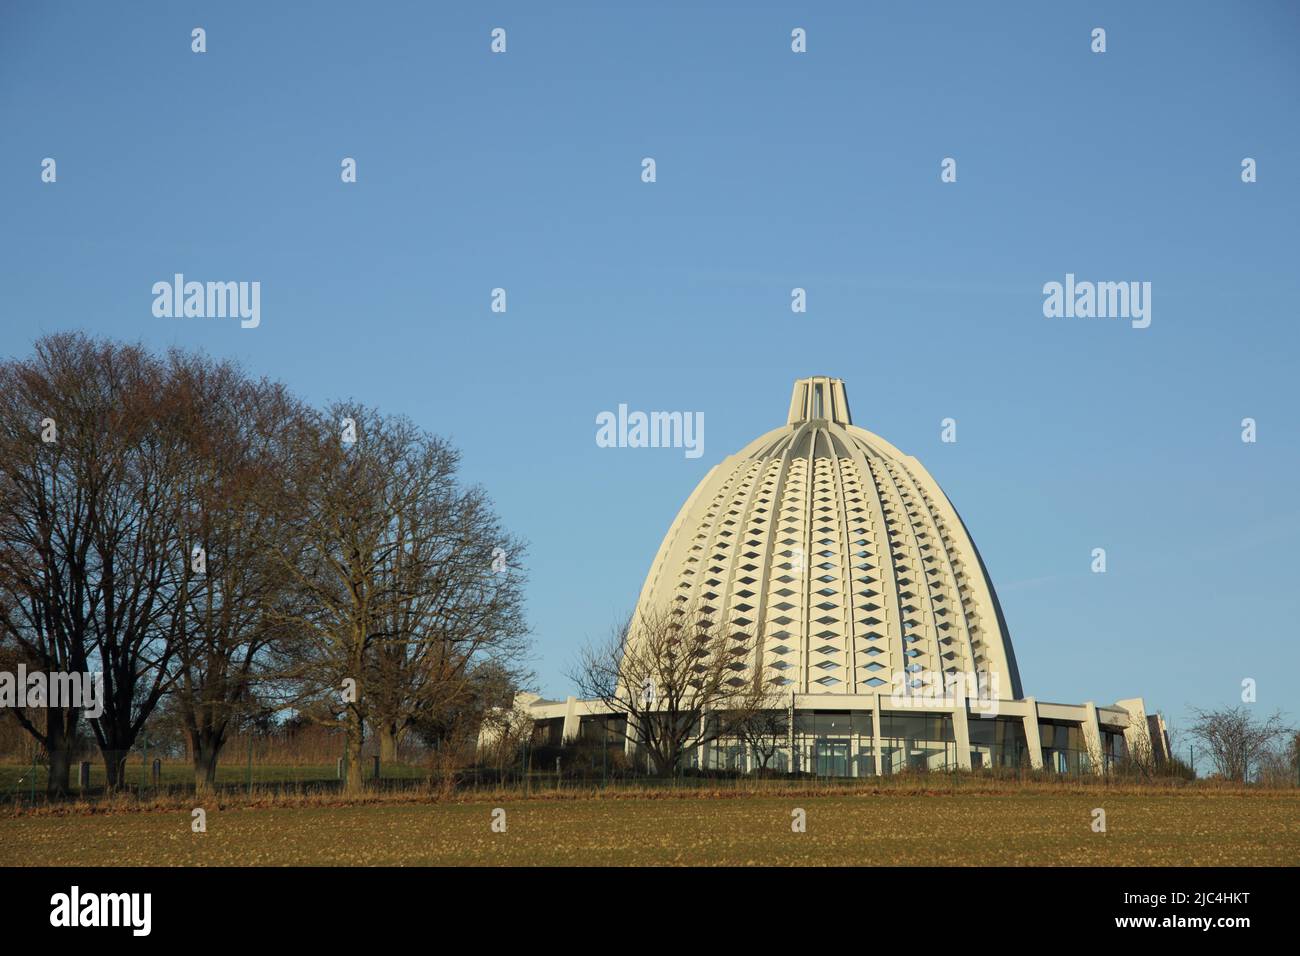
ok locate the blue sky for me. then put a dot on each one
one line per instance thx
(774, 170)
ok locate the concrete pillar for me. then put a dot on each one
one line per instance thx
(569, 734)
(875, 734)
(1092, 738)
(790, 734)
(1032, 740)
(960, 729)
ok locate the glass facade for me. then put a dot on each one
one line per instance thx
(840, 743)
(997, 742)
(1064, 749)
(548, 733)
(917, 742)
(612, 729)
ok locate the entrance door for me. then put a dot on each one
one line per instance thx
(832, 758)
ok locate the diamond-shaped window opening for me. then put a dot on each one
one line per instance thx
(783, 606)
(914, 668)
(750, 554)
(827, 578)
(783, 682)
(827, 541)
(736, 681)
(746, 579)
(783, 620)
(827, 649)
(911, 638)
(873, 682)
(873, 651)
(826, 554)
(781, 636)
(781, 649)
(873, 621)
(781, 666)
(914, 653)
(744, 607)
(827, 666)
(785, 578)
(828, 681)
(784, 592)
(748, 567)
(827, 606)
(869, 607)
(828, 591)
(745, 593)
(827, 619)
(875, 666)
(742, 621)
(825, 634)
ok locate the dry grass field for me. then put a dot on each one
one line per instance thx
(1191, 828)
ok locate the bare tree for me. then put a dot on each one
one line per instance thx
(457, 582)
(681, 678)
(231, 603)
(1141, 757)
(394, 567)
(762, 730)
(87, 533)
(503, 730)
(1236, 740)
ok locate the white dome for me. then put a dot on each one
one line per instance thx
(842, 555)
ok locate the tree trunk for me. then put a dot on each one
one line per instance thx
(354, 784)
(389, 737)
(665, 763)
(114, 768)
(205, 748)
(59, 739)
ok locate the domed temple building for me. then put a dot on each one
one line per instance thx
(853, 584)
